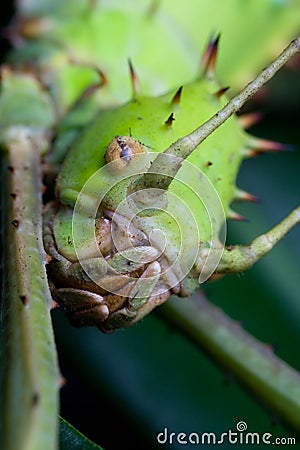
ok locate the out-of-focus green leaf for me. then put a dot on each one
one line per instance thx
(72, 439)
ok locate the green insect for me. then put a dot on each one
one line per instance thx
(129, 229)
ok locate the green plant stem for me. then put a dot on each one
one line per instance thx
(29, 374)
(254, 364)
(238, 258)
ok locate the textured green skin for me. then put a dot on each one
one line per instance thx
(145, 118)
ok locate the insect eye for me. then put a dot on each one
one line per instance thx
(121, 150)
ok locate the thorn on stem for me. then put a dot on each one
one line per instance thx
(35, 398)
(15, 223)
(24, 299)
(54, 305)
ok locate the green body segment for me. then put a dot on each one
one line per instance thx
(144, 118)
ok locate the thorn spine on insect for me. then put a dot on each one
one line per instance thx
(209, 58)
(102, 77)
(221, 92)
(170, 120)
(245, 196)
(176, 99)
(264, 145)
(93, 87)
(248, 120)
(248, 153)
(233, 215)
(134, 79)
(77, 62)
